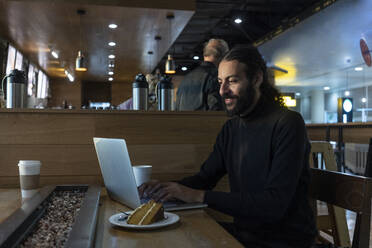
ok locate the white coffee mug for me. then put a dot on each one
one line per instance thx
(142, 174)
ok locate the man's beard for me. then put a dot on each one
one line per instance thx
(243, 103)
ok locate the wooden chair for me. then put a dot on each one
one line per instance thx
(333, 224)
(349, 192)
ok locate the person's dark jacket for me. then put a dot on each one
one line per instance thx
(266, 157)
(199, 90)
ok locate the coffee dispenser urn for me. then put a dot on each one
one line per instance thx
(140, 93)
(15, 89)
(165, 94)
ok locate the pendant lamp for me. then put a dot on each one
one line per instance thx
(170, 64)
(80, 64)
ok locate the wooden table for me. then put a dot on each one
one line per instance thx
(195, 228)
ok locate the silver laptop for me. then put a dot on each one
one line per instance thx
(118, 176)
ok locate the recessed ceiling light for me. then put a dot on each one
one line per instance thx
(110, 79)
(111, 56)
(196, 57)
(54, 54)
(326, 88)
(298, 94)
(364, 99)
(111, 73)
(111, 43)
(112, 26)
(358, 68)
(347, 93)
(238, 20)
(111, 65)
(184, 68)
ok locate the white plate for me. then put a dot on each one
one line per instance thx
(170, 218)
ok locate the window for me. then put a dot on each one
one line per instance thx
(30, 78)
(19, 61)
(39, 84)
(11, 59)
(42, 85)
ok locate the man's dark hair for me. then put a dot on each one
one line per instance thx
(251, 57)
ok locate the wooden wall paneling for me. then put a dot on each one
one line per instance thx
(357, 135)
(333, 133)
(161, 129)
(82, 159)
(316, 133)
(56, 159)
(136, 128)
(39, 128)
(176, 144)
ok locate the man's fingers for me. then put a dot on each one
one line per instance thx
(152, 190)
(161, 196)
(142, 189)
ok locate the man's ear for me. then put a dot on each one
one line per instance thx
(258, 79)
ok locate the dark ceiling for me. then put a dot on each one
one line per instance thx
(262, 20)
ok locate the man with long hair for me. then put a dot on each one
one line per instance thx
(264, 149)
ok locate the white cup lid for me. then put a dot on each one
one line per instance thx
(29, 163)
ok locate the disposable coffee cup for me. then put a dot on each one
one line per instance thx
(142, 174)
(29, 176)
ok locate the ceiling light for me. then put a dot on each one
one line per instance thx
(111, 56)
(326, 88)
(358, 68)
(347, 93)
(111, 43)
(111, 65)
(110, 79)
(80, 63)
(298, 94)
(184, 68)
(111, 73)
(364, 99)
(238, 20)
(170, 65)
(54, 54)
(196, 57)
(112, 26)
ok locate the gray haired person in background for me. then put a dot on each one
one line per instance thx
(199, 89)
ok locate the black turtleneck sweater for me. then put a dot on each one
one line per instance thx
(265, 155)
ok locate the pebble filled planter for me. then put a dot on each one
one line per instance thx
(58, 216)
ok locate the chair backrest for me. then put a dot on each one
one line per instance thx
(349, 192)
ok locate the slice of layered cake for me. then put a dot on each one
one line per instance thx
(146, 214)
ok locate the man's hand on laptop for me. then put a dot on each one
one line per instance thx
(170, 190)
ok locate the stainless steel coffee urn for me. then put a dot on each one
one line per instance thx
(140, 93)
(165, 94)
(15, 89)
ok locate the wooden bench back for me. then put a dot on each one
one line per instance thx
(349, 192)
